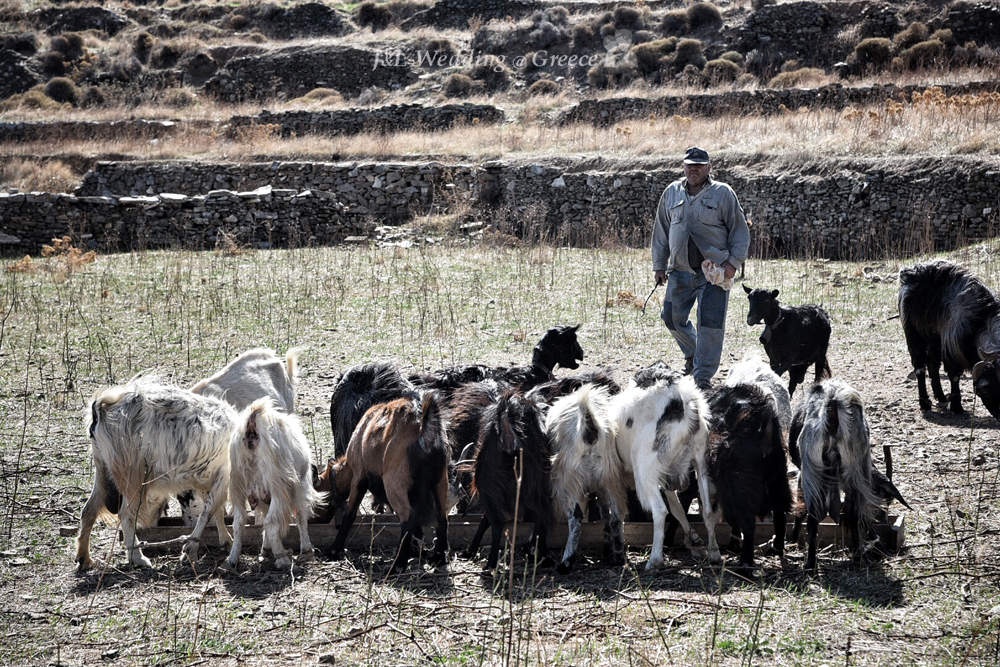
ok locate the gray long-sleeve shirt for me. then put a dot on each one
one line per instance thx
(713, 219)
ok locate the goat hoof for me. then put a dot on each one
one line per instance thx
(715, 557)
(437, 559)
(925, 406)
(469, 555)
(228, 566)
(84, 564)
(307, 556)
(654, 564)
(564, 567)
(335, 554)
(283, 563)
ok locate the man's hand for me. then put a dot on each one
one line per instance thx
(660, 277)
(730, 270)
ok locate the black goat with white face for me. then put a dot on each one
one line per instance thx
(949, 316)
(747, 463)
(829, 442)
(794, 336)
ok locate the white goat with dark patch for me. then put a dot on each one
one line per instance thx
(151, 440)
(829, 442)
(587, 461)
(753, 370)
(662, 425)
(270, 463)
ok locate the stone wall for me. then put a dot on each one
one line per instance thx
(766, 101)
(836, 208)
(265, 217)
(295, 70)
(391, 118)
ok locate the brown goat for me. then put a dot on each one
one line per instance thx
(399, 452)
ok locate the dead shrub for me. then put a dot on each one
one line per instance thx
(319, 96)
(674, 22)
(376, 17)
(912, 34)
(871, 55)
(946, 37)
(372, 95)
(702, 14)
(544, 87)
(166, 56)
(179, 98)
(458, 85)
(648, 55)
(614, 72)
(800, 78)
(733, 56)
(125, 68)
(628, 18)
(26, 43)
(34, 98)
(721, 70)
(38, 176)
(584, 36)
(92, 97)
(142, 45)
(62, 90)
(923, 55)
(70, 44)
(494, 75)
(54, 63)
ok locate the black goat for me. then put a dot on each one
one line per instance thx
(950, 317)
(794, 336)
(359, 388)
(829, 442)
(512, 445)
(747, 463)
(558, 347)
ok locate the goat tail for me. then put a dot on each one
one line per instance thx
(103, 400)
(291, 361)
(433, 427)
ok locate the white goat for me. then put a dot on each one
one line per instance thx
(753, 370)
(257, 373)
(829, 442)
(270, 463)
(662, 426)
(151, 440)
(587, 461)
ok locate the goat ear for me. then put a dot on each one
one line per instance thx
(746, 289)
(315, 474)
(576, 327)
(774, 294)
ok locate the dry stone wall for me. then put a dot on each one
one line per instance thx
(295, 70)
(835, 208)
(264, 217)
(390, 118)
(766, 101)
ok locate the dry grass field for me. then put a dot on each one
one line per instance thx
(69, 326)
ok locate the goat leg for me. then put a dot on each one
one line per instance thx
(129, 516)
(87, 519)
(239, 519)
(709, 514)
(614, 534)
(358, 490)
(748, 528)
(812, 524)
(473, 549)
(574, 517)
(408, 530)
(440, 555)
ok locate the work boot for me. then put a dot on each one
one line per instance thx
(704, 385)
(688, 365)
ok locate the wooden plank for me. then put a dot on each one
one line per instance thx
(381, 531)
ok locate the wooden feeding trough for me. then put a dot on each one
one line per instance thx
(381, 531)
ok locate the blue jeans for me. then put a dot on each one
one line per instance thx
(703, 345)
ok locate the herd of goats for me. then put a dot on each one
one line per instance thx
(520, 439)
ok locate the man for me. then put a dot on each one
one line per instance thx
(697, 219)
